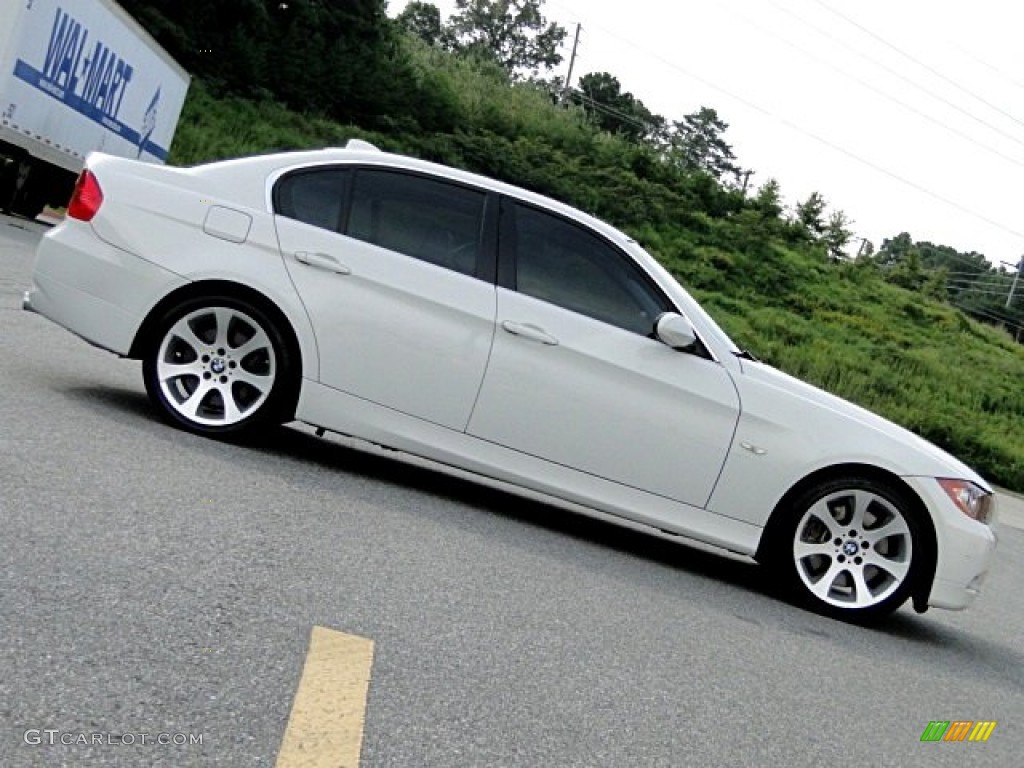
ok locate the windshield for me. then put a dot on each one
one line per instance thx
(708, 324)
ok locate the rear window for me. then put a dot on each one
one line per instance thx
(314, 197)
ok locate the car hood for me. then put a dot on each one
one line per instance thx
(769, 395)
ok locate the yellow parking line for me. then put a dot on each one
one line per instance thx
(326, 723)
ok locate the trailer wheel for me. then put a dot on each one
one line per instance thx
(25, 195)
(28, 185)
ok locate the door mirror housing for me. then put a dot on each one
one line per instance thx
(675, 331)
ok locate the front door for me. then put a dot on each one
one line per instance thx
(575, 377)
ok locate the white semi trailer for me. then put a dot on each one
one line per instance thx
(78, 76)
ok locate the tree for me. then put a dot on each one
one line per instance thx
(900, 260)
(968, 281)
(938, 256)
(837, 234)
(513, 33)
(344, 59)
(810, 214)
(907, 273)
(423, 20)
(896, 250)
(768, 200)
(696, 143)
(601, 96)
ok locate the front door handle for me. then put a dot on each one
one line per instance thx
(529, 331)
(322, 261)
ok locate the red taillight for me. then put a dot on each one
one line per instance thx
(87, 197)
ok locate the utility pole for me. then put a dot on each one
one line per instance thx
(746, 180)
(1013, 285)
(572, 62)
(863, 245)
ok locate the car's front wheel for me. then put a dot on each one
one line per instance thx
(219, 366)
(852, 548)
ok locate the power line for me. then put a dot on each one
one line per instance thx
(903, 104)
(1000, 286)
(1000, 294)
(895, 73)
(974, 276)
(982, 271)
(990, 276)
(1006, 292)
(805, 132)
(917, 61)
(589, 101)
(820, 139)
(987, 268)
(997, 318)
(965, 289)
(988, 298)
(987, 65)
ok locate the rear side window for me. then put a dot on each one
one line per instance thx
(565, 264)
(314, 197)
(427, 219)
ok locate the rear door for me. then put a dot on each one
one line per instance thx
(396, 272)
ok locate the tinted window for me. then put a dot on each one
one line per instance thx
(424, 218)
(314, 197)
(564, 264)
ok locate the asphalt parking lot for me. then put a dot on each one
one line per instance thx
(154, 582)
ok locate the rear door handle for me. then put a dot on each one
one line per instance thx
(529, 331)
(322, 261)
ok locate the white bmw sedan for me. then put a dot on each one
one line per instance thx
(483, 327)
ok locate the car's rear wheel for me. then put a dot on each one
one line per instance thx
(852, 548)
(219, 366)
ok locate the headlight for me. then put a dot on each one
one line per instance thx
(973, 501)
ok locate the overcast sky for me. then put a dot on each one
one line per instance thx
(908, 115)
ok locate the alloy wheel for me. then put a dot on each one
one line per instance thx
(853, 549)
(216, 366)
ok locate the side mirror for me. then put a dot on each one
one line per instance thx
(675, 331)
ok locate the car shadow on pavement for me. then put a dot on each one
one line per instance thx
(946, 647)
(295, 443)
(333, 455)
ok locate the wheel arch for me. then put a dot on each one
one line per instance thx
(921, 590)
(148, 328)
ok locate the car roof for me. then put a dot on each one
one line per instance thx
(362, 153)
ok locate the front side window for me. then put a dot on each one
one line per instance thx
(565, 264)
(427, 219)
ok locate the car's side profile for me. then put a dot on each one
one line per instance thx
(483, 327)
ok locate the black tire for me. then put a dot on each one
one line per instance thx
(851, 548)
(220, 366)
(26, 192)
(29, 205)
